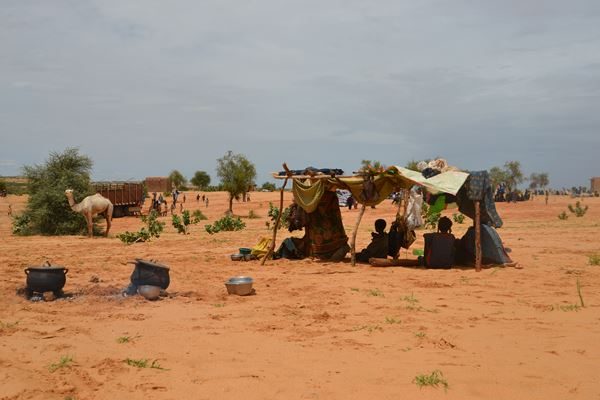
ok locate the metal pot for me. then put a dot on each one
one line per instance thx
(150, 273)
(46, 278)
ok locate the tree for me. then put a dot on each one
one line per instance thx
(48, 211)
(201, 179)
(514, 174)
(237, 175)
(269, 186)
(511, 175)
(497, 176)
(177, 179)
(534, 181)
(543, 180)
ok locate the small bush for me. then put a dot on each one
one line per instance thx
(20, 225)
(563, 216)
(252, 215)
(435, 379)
(198, 216)
(578, 210)
(431, 220)
(65, 361)
(594, 259)
(152, 229)
(458, 218)
(274, 212)
(227, 223)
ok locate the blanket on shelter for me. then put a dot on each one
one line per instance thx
(325, 228)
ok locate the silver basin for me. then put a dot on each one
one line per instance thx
(240, 285)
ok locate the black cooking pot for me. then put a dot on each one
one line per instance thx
(150, 273)
(46, 278)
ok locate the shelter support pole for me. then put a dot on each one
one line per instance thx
(353, 244)
(477, 237)
(276, 227)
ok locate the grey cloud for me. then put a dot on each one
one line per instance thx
(309, 82)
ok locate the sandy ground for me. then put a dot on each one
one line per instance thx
(313, 330)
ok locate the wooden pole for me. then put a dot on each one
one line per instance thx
(353, 244)
(276, 227)
(477, 237)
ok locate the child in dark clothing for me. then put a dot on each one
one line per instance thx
(378, 248)
(440, 246)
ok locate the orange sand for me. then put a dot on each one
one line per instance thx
(313, 330)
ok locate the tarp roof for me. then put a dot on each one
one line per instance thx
(392, 179)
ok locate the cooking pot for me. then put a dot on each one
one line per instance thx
(46, 278)
(150, 273)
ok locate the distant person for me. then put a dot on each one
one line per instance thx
(198, 198)
(10, 210)
(206, 201)
(378, 248)
(184, 197)
(350, 202)
(203, 198)
(440, 248)
(248, 197)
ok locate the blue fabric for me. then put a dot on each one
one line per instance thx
(492, 249)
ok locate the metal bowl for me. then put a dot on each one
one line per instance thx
(237, 257)
(240, 285)
(149, 292)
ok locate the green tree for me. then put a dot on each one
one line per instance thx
(269, 186)
(514, 174)
(201, 179)
(48, 211)
(497, 176)
(177, 179)
(534, 181)
(237, 175)
(511, 175)
(544, 180)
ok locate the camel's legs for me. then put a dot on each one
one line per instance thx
(90, 224)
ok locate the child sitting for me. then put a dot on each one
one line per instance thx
(378, 248)
(440, 246)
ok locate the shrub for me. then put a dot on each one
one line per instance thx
(198, 216)
(578, 210)
(182, 223)
(227, 223)
(594, 259)
(431, 220)
(48, 211)
(252, 215)
(152, 229)
(563, 216)
(274, 212)
(458, 218)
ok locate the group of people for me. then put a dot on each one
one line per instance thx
(161, 205)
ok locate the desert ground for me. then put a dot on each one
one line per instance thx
(313, 330)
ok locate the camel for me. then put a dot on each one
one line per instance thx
(90, 207)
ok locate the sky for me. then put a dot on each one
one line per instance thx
(145, 87)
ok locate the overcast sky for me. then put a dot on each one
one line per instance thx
(145, 87)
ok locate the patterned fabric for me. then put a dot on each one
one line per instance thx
(478, 188)
(477, 183)
(325, 228)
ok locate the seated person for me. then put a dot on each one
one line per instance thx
(440, 246)
(378, 248)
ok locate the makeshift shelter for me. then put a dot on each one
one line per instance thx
(472, 192)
